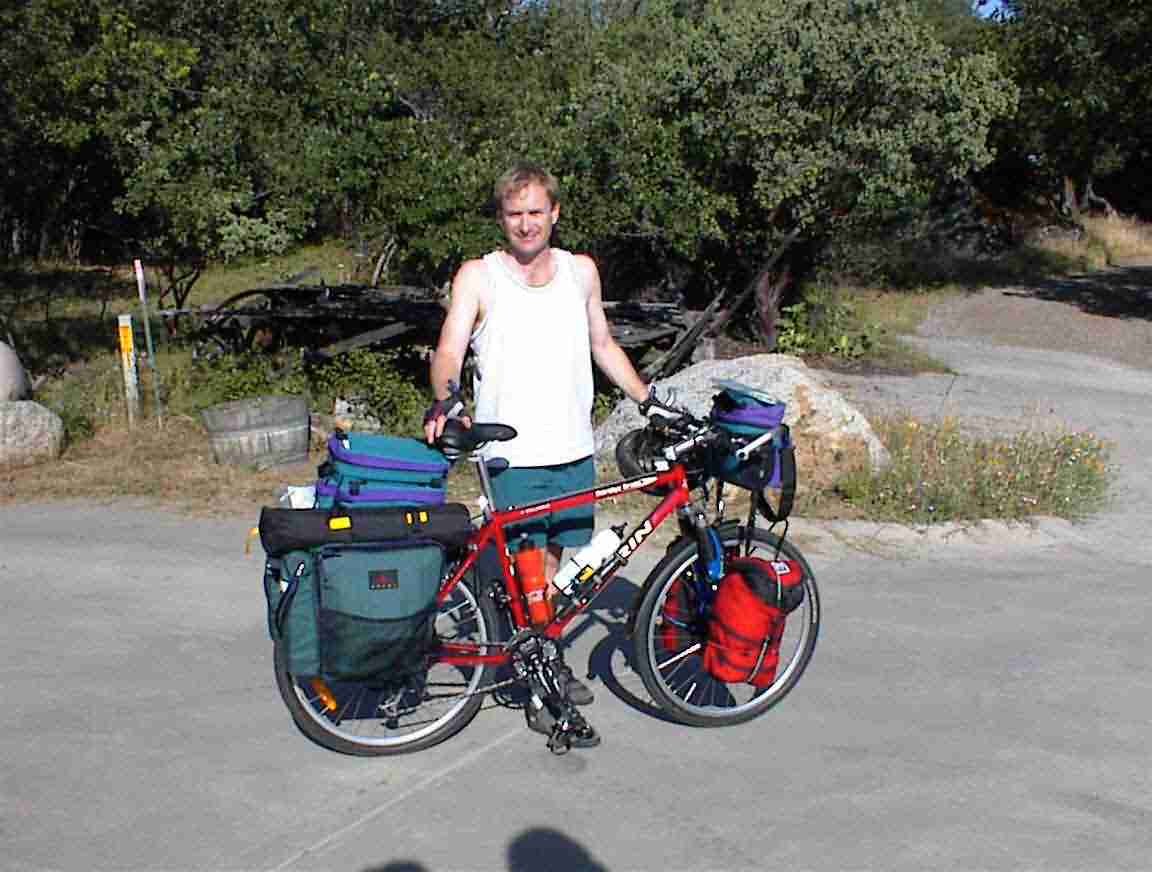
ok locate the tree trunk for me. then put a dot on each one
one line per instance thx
(1093, 200)
(1069, 204)
(770, 288)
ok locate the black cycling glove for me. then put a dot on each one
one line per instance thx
(656, 403)
(450, 407)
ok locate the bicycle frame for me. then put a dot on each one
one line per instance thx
(492, 532)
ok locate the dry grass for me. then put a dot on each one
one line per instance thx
(940, 473)
(331, 263)
(1121, 237)
(890, 315)
(172, 467)
(1106, 240)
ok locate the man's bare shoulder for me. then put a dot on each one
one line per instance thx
(471, 270)
(470, 278)
(586, 270)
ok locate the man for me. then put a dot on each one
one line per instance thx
(535, 320)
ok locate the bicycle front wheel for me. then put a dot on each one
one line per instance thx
(670, 633)
(404, 716)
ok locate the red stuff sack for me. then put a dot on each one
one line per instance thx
(752, 603)
(676, 616)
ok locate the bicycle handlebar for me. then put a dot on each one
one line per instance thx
(693, 432)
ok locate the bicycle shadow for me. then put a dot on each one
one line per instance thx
(613, 610)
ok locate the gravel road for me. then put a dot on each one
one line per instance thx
(978, 699)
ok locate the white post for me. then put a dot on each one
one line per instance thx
(141, 287)
(128, 365)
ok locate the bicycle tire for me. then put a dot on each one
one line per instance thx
(672, 672)
(374, 721)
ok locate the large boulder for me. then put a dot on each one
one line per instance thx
(13, 379)
(29, 434)
(830, 434)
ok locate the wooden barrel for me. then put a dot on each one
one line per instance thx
(264, 431)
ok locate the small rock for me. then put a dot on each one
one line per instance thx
(29, 434)
(13, 378)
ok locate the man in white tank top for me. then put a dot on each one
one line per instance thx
(534, 318)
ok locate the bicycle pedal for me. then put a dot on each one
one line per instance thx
(563, 740)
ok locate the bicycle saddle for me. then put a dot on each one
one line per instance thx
(458, 440)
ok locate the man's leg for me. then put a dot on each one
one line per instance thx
(572, 528)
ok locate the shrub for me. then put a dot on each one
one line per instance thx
(383, 385)
(86, 397)
(821, 322)
(937, 473)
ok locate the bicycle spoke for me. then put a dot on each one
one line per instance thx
(672, 661)
(673, 635)
(392, 718)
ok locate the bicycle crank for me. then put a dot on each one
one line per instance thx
(537, 663)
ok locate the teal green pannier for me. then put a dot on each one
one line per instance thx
(290, 587)
(355, 612)
(352, 596)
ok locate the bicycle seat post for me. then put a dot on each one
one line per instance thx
(489, 505)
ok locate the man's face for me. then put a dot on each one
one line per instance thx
(526, 217)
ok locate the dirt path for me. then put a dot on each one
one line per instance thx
(1106, 314)
(1103, 319)
(1073, 354)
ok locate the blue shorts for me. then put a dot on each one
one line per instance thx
(521, 486)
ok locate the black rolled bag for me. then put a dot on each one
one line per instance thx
(284, 530)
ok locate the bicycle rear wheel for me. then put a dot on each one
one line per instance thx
(669, 650)
(403, 716)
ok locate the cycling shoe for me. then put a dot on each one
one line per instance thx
(582, 735)
(576, 691)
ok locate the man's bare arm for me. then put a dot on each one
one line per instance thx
(606, 351)
(448, 359)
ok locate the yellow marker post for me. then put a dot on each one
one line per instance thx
(128, 365)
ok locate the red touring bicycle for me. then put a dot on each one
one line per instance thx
(485, 643)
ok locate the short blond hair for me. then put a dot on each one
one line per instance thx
(519, 176)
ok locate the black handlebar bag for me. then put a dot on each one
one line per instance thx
(758, 454)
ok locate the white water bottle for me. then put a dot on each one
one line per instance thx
(584, 563)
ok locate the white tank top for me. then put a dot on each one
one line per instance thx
(534, 364)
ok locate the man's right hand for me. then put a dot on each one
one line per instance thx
(441, 410)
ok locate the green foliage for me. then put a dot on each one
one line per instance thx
(238, 377)
(379, 384)
(603, 404)
(746, 123)
(682, 133)
(1085, 77)
(382, 383)
(821, 323)
(937, 473)
(85, 397)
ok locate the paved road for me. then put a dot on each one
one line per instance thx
(979, 704)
